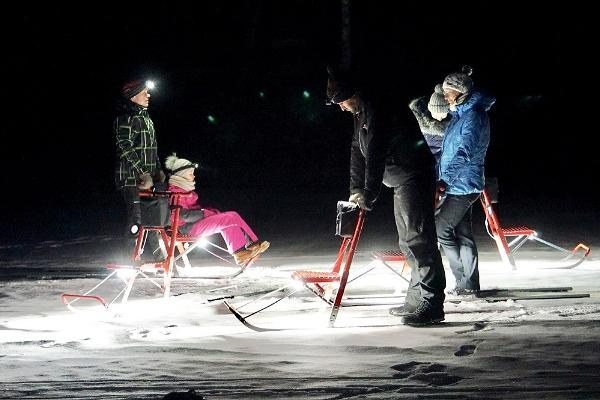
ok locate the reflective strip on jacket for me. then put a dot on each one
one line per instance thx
(136, 145)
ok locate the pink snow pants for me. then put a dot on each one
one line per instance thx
(231, 226)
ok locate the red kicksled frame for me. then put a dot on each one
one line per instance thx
(521, 235)
(324, 283)
(129, 273)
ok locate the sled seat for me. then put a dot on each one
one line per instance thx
(383, 257)
(315, 276)
(388, 255)
(518, 231)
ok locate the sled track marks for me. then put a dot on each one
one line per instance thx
(376, 387)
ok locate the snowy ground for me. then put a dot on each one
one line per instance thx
(526, 349)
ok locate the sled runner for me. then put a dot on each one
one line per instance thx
(520, 235)
(175, 249)
(520, 294)
(329, 286)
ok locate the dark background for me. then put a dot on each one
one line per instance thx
(273, 154)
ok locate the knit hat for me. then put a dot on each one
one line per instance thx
(132, 88)
(176, 165)
(437, 102)
(460, 81)
(339, 86)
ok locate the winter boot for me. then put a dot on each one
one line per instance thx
(462, 292)
(242, 256)
(426, 314)
(260, 247)
(403, 310)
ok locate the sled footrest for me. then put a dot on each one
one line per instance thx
(315, 276)
(388, 255)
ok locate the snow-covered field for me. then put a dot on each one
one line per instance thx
(530, 349)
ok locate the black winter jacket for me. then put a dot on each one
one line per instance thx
(387, 147)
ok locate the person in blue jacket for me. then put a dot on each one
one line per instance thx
(461, 176)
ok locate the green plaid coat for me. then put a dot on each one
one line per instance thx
(136, 145)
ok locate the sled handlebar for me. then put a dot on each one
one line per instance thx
(147, 193)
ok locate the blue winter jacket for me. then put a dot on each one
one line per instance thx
(465, 144)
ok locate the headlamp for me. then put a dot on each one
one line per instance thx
(194, 165)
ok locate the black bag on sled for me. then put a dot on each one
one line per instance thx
(155, 210)
(347, 214)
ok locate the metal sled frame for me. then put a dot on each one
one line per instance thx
(520, 235)
(186, 244)
(317, 282)
(148, 271)
(322, 284)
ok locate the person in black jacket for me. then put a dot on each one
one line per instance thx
(137, 164)
(388, 147)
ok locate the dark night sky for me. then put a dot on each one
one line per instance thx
(262, 153)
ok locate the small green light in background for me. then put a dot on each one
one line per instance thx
(212, 119)
(261, 94)
(306, 94)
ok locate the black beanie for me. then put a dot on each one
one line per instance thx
(339, 87)
(132, 88)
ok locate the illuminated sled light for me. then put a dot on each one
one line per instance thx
(134, 229)
(126, 273)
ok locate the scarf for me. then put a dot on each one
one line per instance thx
(181, 182)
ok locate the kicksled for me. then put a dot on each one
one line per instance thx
(174, 266)
(329, 287)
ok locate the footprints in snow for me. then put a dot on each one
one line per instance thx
(143, 333)
(477, 326)
(465, 350)
(432, 373)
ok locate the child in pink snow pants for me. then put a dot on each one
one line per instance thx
(196, 221)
